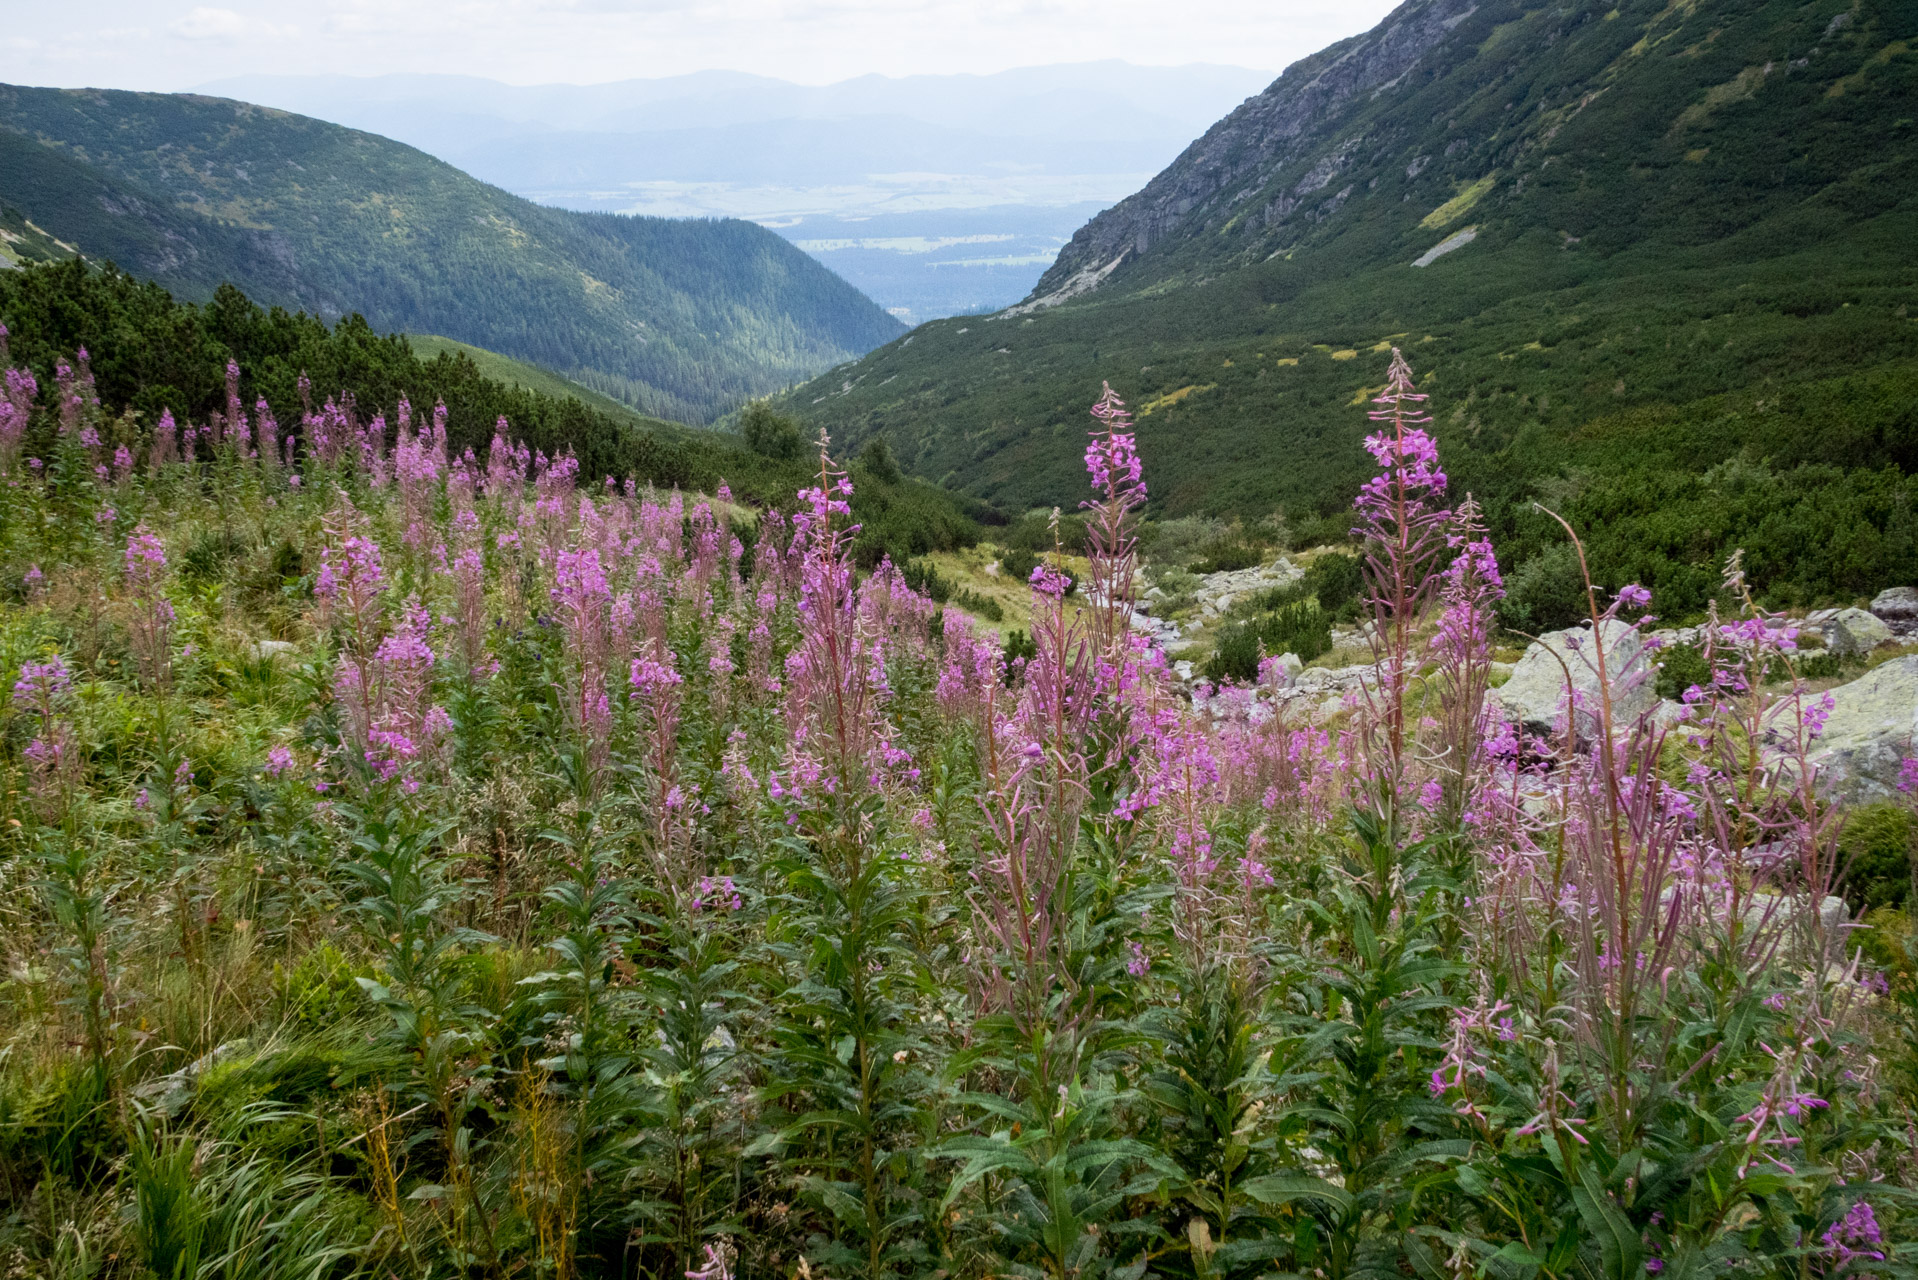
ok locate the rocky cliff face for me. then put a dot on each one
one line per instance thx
(1246, 166)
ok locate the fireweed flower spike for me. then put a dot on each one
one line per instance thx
(583, 599)
(1468, 594)
(1402, 524)
(1118, 486)
(52, 756)
(151, 624)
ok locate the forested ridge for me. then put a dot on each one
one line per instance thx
(150, 354)
(685, 319)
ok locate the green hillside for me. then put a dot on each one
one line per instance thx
(682, 319)
(151, 354)
(530, 377)
(1682, 315)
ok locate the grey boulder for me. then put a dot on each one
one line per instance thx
(1874, 720)
(1896, 604)
(1849, 631)
(1536, 694)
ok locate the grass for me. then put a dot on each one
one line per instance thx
(531, 377)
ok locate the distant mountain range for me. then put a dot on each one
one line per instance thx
(683, 319)
(977, 180)
(1653, 259)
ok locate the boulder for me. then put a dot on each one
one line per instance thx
(1535, 696)
(1281, 672)
(1850, 631)
(1765, 910)
(1671, 637)
(1873, 724)
(1669, 714)
(1896, 604)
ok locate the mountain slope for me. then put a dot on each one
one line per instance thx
(1659, 221)
(1011, 155)
(681, 319)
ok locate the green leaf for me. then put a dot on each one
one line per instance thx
(982, 1156)
(1424, 1260)
(1287, 1188)
(1618, 1244)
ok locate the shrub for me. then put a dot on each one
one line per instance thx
(1679, 668)
(1545, 593)
(923, 575)
(206, 559)
(1018, 564)
(1875, 857)
(877, 462)
(983, 606)
(1019, 646)
(1337, 581)
(1228, 556)
(770, 434)
(1301, 627)
(1180, 542)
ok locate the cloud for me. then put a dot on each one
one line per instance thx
(588, 41)
(204, 22)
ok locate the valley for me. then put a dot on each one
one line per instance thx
(1667, 323)
(680, 319)
(1323, 684)
(1025, 156)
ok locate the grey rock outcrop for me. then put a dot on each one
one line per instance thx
(1535, 696)
(1849, 631)
(1896, 604)
(1873, 726)
(1274, 156)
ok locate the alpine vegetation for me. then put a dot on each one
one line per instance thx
(425, 862)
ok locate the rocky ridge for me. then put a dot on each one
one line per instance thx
(1260, 164)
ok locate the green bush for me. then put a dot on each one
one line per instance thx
(1825, 665)
(1546, 593)
(1181, 541)
(1228, 556)
(1019, 645)
(1875, 857)
(923, 575)
(1302, 628)
(1034, 532)
(877, 462)
(206, 558)
(770, 434)
(1338, 581)
(977, 604)
(1679, 668)
(1018, 564)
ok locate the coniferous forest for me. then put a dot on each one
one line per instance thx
(448, 833)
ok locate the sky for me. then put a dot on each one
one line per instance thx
(170, 45)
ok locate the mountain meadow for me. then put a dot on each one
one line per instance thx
(1367, 730)
(680, 318)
